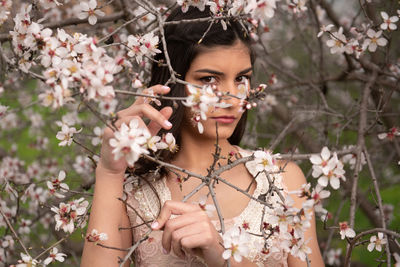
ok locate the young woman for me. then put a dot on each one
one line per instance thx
(183, 234)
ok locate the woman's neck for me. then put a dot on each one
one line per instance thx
(196, 154)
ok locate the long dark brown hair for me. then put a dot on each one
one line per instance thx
(183, 46)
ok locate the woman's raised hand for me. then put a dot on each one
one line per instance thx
(139, 109)
(191, 232)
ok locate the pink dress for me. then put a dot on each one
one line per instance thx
(149, 252)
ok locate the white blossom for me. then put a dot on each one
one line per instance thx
(346, 231)
(89, 10)
(54, 256)
(374, 40)
(236, 244)
(389, 23)
(66, 134)
(376, 242)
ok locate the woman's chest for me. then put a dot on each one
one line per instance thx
(231, 190)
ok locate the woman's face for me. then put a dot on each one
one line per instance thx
(226, 67)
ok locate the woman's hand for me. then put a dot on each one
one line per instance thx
(139, 109)
(192, 232)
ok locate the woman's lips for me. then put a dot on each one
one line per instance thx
(224, 119)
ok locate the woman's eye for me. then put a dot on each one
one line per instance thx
(208, 79)
(243, 79)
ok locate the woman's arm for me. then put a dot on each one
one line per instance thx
(293, 178)
(107, 215)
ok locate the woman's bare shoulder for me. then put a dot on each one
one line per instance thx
(293, 176)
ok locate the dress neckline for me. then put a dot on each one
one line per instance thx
(243, 153)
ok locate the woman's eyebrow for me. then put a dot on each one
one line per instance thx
(221, 73)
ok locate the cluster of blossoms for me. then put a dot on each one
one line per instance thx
(141, 46)
(69, 214)
(131, 141)
(202, 100)
(5, 6)
(327, 168)
(366, 39)
(258, 9)
(285, 227)
(69, 61)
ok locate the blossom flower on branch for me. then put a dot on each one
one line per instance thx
(236, 244)
(376, 242)
(374, 40)
(208, 208)
(55, 184)
(66, 134)
(95, 236)
(333, 256)
(140, 46)
(346, 231)
(54, 256)
(388, 22)
(265, 161)
(324, 28)
(390, 135)
(89, 10)
(327, 169)
(68, 214)
(26, 261)
(337, 42)
(5, 6)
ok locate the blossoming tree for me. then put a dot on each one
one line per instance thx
(327, 76)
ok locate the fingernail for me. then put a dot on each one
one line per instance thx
(167, 123)
(164, 251)
(154, 225)
(165, 87)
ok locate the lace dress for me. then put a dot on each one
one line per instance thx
(149, 252)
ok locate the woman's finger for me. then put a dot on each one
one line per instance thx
(172, 207)
(188, 231)
(175, 224)
(146, 110)
(153, 126)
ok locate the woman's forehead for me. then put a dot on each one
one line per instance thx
(219, 56)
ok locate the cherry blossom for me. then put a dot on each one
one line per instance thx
(333, 256)
(54, 256)
(55, 184)
(200, 4)
(67, 214)
(374, 40)
(26, 261)
(89, 10)
(352, 158)
(265, 161)
(208, 208)
(98, 135)
(129, 142)
(337, 42)
(168, 142)
(66, 134)
(393, 132)
(140, 46)
(236, 242)
(388, 23)
(5, 6)
(346, 231)
(48, 4)
(300, 249)
(376, 242)
(95, 236)
(3, 110)
(327, 168)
